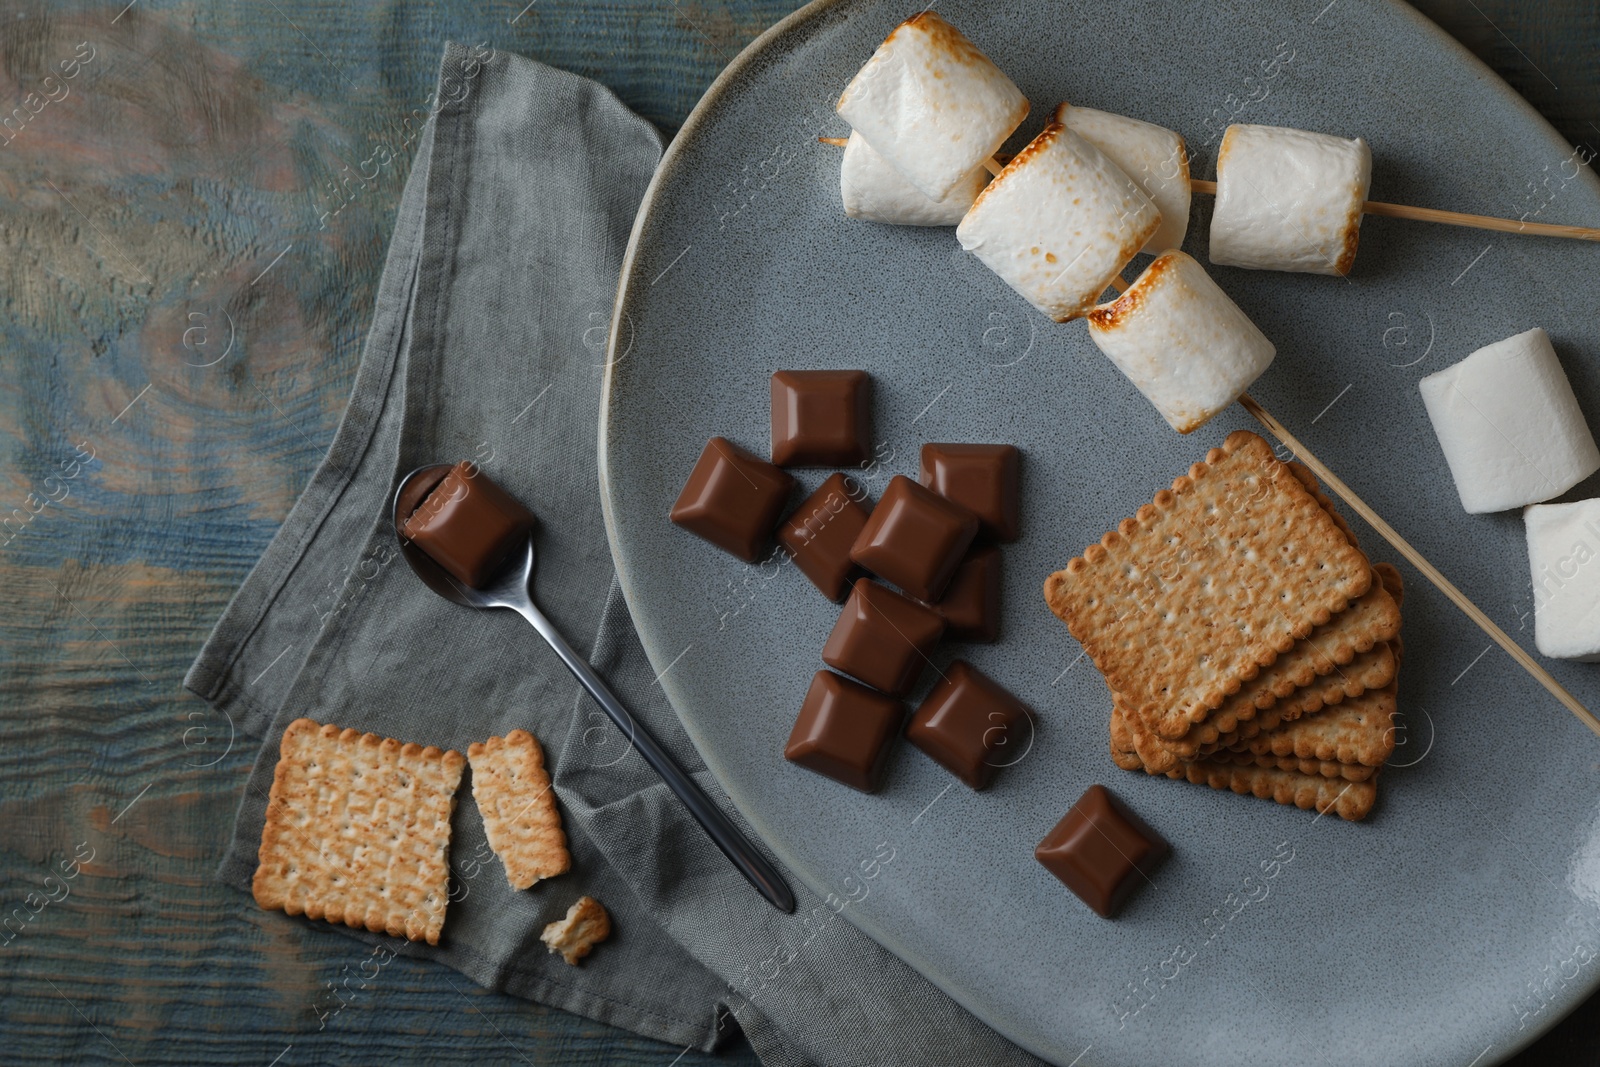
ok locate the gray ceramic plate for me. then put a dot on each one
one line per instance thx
(1464, 916)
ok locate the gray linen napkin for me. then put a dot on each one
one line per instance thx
(487, 343)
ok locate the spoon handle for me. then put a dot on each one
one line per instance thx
(751, 863)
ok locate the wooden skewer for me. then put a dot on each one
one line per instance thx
(1392, 211)
(1376, 521)
(1417, 560)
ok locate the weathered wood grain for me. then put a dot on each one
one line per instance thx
(189, 259)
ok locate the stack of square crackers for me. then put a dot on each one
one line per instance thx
(1247, 641)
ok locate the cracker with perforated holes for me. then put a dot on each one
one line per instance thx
(518, 808)
(1360, 730)
(358, 831)
(1371, 669)
(1210, 582)
(1349, 800)
(1344, 657)
(586, 924)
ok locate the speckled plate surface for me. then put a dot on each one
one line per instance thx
(1464, 916)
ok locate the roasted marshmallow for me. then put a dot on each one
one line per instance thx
(1289, 199)
(1154, 157)
(1059, 223)
(1509, 425)
(1181, 340)
(1564, 554)
(932, 105)
(875, 191)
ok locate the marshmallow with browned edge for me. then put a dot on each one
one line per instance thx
(1058, 223)
(1564, 555)
(932, 105)
(1154, 157)
(1181, 340)
(1289, 199)
(875, 191)
(1509, 425)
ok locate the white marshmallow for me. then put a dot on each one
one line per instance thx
(1059, 223)
(875, 191)
(1289, 200)
(1155, 158)
(1564, 554)
(932, 104)
(1509, 425)
(1181, 340)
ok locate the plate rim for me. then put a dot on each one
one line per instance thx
(628, 274)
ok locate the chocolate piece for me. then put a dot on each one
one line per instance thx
(984, 479)
(970, 724)
(468, 525)
(915, 538)
(971, 604)
(845, 731)
(1102, 851)
(732, 499)
(820, 532)
(821, 418)
(882, 638)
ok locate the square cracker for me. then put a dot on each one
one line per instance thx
(358, 831)
(1343, 658)
(519, 808)
(1349, 800)
(1210, 582)
(1360, 731)
(1373, 669)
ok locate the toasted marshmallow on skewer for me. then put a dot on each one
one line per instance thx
(1181, 340)
(1058, 223)
(1154, 157)
(932, 105)
(1289, 200)
(1564, 555)
(875, 191)
(1509, 425)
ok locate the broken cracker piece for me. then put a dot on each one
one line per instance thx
(1238, 538)
(585, 926)
(519, 811)
(358, 831)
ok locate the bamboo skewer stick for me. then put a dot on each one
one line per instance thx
(1376, 521)
(1417, 560)
(1392, 211)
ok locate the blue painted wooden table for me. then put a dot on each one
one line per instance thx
(193, 223)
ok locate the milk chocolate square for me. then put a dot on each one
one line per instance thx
(468, 525)
(984, 479)
(845, 731)
(971, 725)
(915, 538)
(821, 418)
(819, 534)
(971, 602)
(732, 499)
(1102, 851)
(882, 638)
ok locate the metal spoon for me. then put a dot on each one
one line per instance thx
(512, 587)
